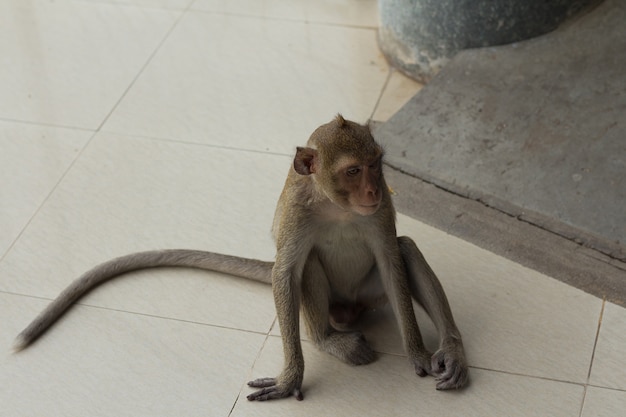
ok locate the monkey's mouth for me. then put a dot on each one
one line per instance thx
(368, 209)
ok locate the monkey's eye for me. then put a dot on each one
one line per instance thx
(352, 171)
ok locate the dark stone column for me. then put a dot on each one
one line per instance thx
(420, 36)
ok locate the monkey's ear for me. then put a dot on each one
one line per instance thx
(305, 160)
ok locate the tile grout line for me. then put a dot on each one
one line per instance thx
(192, 143)
(382, 92)
(138, 313)
(47, 124)
(283, 19)
(593, 355)
(47, 197)
(254, 362)
(144, 6)
(187, 10)
(183, 12)
(544, 378)
(608, 388)
(595, 342)
(93, 135)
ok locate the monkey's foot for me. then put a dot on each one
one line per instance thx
(450, 369)
(350, 347)
(272, 390)
(422, 363)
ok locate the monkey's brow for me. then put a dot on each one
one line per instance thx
(368, 158)
(350, 163)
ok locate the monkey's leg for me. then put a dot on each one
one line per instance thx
(448, 363)
(350, 347)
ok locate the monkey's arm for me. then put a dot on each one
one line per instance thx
(286, 286)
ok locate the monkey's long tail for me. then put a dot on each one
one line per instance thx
(242, 267)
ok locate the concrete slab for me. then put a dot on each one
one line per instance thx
(535, 129)
(522, 242)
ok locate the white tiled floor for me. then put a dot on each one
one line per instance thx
(129, 125)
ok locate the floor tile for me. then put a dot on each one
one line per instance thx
(389, 387)
(69, 62)
(506, 312)
(398, 91)
(32, 161)
(103, 362)
(608, 364)
(266, 88)
(339, 12)
(600, 402)
(131, 194)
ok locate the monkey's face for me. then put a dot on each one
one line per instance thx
(357, 185)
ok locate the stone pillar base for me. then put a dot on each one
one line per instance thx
(419, 37)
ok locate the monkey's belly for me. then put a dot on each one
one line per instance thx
(346, 306)
(352, 274)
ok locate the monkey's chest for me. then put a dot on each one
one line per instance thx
(347, 260)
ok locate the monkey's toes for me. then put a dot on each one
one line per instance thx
(272, 390)
(350, 347)
(364, 355)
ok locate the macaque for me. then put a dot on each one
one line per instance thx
(337, 255)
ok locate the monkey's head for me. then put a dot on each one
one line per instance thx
(346, 165)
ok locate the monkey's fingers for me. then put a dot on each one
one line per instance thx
(263, 382)
(272, 392)
(422, 368)
(422, 364)
(450, 371)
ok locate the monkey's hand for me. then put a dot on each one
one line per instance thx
(273, 389)
(422, 362)
(450, 367)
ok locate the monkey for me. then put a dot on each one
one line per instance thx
(337, 254)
